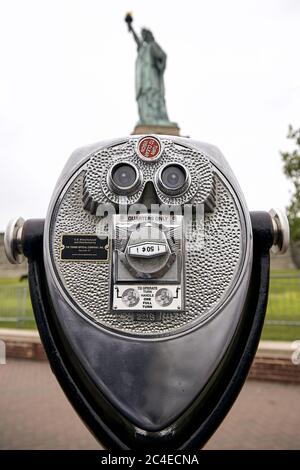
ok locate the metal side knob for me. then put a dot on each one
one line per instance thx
(281, 230)
(13, 241)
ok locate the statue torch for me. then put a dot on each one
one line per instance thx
(128, 20)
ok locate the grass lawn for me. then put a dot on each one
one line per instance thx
(284, 304)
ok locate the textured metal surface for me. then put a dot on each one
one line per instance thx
(211, 269)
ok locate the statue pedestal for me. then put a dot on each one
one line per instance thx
(149, 129)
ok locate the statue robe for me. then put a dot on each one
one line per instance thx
(150, 90)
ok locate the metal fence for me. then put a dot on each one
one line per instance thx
(283, 306)
(15, 305)
(284, 300)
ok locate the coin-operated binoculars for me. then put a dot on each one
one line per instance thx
(149, 283)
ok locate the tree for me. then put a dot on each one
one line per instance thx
(291, 168)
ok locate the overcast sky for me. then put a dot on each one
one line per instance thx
(67, 79)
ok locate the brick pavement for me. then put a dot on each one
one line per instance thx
(34, 414)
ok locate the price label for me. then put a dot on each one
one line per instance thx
(145, 250)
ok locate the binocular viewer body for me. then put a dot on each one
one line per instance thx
(149, 284)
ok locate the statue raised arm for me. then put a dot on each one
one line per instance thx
(128, 19)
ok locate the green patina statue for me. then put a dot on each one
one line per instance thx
(149, 78)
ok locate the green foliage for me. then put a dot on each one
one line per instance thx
(291, 168)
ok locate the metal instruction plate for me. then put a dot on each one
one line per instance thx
(81, 247)
(147, 297)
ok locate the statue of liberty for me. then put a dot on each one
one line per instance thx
(149, 79)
